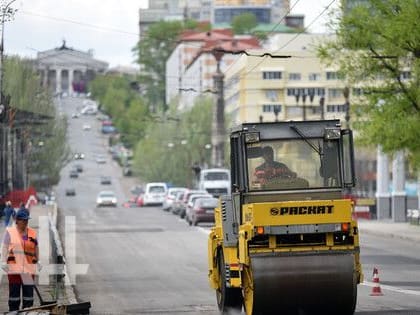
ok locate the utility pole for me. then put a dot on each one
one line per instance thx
(218, 126)
(346, 93)
(5, 166)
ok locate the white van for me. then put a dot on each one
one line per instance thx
(154, 194)
(216, 181)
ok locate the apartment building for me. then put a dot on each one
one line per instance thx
(295, 88)
(191, 66)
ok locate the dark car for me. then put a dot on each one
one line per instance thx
(74, 173)
(78, 167)
(185, 198)
(70, 192)
(203, 210)
(105, 180)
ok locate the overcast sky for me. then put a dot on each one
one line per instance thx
(108, 27)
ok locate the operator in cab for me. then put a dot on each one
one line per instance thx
(271, 169)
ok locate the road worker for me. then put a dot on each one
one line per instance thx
(20, 260)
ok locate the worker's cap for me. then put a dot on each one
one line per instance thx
(22, 214)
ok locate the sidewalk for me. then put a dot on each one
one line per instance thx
(47, 291)
(389, 228)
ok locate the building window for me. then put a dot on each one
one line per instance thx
(314, 76)
(271, 75)
(341, 108)
(271, 95)
(335, 93)
(332, 75)
(295, 76)
(405, 75)
(271, 108)
(357, 91)
(320, 91)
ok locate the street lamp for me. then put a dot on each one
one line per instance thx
(6, 11)
(218, 142)
(346, 93)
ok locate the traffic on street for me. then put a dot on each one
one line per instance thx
(210, 157)
(152, 262)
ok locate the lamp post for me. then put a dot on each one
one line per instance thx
(6, 11)
(5, 166)
(218, 126)
(346, 93)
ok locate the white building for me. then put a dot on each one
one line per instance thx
(65, 69)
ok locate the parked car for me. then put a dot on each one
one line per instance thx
(170, 197)
(70, 192)
(74, 173)
(176, 206)
(106, 198)
(78, 167)
(105, 180)
(100, 159)
(190, 204)
(203, 210)
(186, 196)
(154, 194)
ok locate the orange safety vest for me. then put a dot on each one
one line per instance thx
(22, 253)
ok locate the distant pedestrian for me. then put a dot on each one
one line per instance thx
(20, 260)
(9, 214)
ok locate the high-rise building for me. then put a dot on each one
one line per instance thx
(266, 11)
(170, 10)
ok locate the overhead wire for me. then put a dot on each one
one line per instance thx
(271, 32)
(293, 38)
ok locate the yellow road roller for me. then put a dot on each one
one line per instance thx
(284, 241)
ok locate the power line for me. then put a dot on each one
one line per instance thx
(293, 38)
(102, 28)
(272, 31)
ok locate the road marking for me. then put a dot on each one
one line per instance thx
(391, 288)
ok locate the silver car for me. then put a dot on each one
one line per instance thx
(106, 198)
(170, 197)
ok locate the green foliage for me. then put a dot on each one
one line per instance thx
(152, 53)
(24, 86)
(170, 147)
(377, 43)
(125, 105)
(244, 23)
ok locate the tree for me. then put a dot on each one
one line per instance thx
(378, 47)
(152, 53)
(171, 146)
(244, 23)
(124, 104)
(24, 86)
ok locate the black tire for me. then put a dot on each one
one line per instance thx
(228, 299)
(194, 221)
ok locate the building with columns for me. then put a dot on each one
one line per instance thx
(67, 70)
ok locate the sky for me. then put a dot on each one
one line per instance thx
(108, 27)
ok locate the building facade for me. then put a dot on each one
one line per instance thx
(295, 88)
(66, 70)
(172, 10)
(266, 11)
(192, 65)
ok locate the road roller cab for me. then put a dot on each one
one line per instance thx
(284, 240)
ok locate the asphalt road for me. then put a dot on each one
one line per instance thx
(146, 261)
